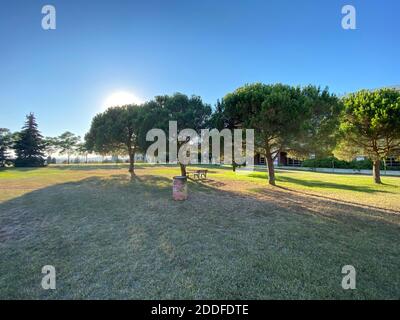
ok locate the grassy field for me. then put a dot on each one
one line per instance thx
(235, 237)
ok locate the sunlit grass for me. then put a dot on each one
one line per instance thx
(234, 238)
(346, 187)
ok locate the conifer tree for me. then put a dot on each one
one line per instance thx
(29, 145)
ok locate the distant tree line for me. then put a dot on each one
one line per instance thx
(301, 121)
(30, 147)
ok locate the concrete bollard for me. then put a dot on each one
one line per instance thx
(179, 188)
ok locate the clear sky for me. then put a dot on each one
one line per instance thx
(202, 47)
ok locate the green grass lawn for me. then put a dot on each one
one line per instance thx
(234, 238)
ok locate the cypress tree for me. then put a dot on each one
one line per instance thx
(29, 145)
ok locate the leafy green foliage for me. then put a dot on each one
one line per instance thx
(189, 112)
(347, 151)
(319, 134)
(276, 112)
(332, 162)
(371, 122)
(116, 131)
(29, 145)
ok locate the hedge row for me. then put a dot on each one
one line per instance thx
(341, 164)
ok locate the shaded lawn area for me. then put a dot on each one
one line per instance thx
(235, 238)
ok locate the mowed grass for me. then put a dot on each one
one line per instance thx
(234, 238)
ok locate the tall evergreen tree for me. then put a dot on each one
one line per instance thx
(29, 145)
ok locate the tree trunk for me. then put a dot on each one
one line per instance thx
(377, 171)
(183, 169)
(271, 170)
(68, 159)
(132, 164)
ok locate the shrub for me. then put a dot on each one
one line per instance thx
(333, 162)
(29, 162)
(326, 163)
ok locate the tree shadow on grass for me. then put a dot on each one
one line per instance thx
(90, 167)
(278, 196)
(126, 182)
(322, 184)
(201, 183)
(111, 237)
(20, 169)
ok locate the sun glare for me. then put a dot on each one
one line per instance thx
(120, 98)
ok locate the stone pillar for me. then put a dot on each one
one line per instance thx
(179, 188)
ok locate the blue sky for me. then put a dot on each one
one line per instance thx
(208, 48)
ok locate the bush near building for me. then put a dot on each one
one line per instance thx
(333, 162)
